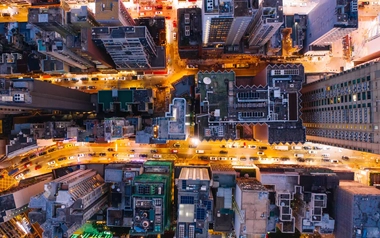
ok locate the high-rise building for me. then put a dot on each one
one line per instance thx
(269, 104)
(223, 186)
(51, 19)
(252, 208)
(129, 47)
(342, 109)
(357, 209)
(68, 202)
(112, 13)
(340, 17)
(120, 210)
(225, 22)
(194, 203)
(266, 22)
(26, 94)
(151, 204)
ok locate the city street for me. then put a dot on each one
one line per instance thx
(121, 151)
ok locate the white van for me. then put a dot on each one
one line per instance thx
(299, 155)
(200, 151)
(296, 147)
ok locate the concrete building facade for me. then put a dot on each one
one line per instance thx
(194, 203)
(342, 109)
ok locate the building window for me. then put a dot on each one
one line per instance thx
(187, 200)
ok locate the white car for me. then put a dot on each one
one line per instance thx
(252, 146)
(157, 156)
(19, 176)
(325, 155)
(159, 13)
(51, 162)
(260, 153)
(80, 155)
(223, 158)
(312, 152)
(148, 8)
(71, 157)
(131, 156)
(213, 158)
(233, 158)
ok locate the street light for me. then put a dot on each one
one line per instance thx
(195, 141)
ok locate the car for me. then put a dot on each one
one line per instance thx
(309, 160)
(102, 154)
(334, 161)
(325, 160)
(91, 87)
(299, 159)
(223, 152)
(157, 156)
(37, 167)
(312, 152)
(19, 176)
(74, 80)
(174, 36)
(84, 79)
(252, 158)
(284, 159)
(80, 155)
(243, 159)
(47, 81)
(66, 79)
(32, 156)
(169, 7)
(176, 145)
(325, 155)
(91, 154)
(115, 154)
(222, 146)
(345, 157)
(174, 24)
(42, 153)
(83, 88)
(307, 147)
(158, 7)
(131, 155)
(71, 157)
(50, 163)
(153, 151)
(223, 158)
(252, 146)
(233, 158)
(24, 160)
(94, 79)
(263, 147)
(212, 157)
(260, 153)
(27, 164)
(167, 17)
(51, 150)
(174, 151)
(143, 155)
(148, 8)
(110, 149)
(159, 13)
(62, 159)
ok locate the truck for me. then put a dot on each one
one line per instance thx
(281, 147)
(13, 171)
(200, 151)
(296, 147)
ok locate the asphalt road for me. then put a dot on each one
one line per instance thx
(126, 150)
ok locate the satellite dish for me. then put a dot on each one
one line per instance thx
(206, 80)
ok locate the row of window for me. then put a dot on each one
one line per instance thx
(357, 115)
(342, 135)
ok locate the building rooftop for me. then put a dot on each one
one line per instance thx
(356, 188)
(194, 174)
(222, 169)
(250, 184)
(106, 10)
